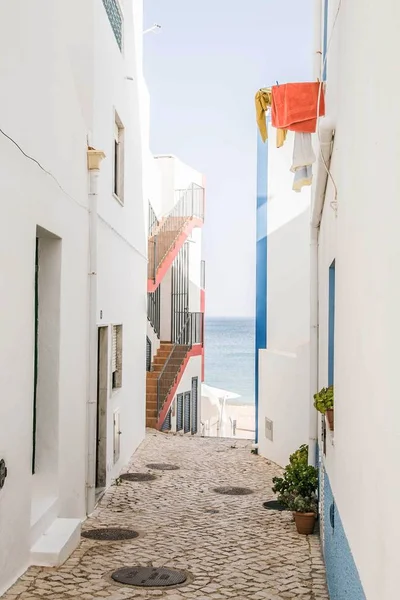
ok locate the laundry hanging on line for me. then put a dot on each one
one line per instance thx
(303, 158)
(294, 106)
(263, 101)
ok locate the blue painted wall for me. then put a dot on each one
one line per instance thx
(261, 260)
(341, 571)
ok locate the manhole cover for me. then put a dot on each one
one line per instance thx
(274, 505)
(149, 576)
(109, 534)
(137, 477)
(233, 491)
(163, 467)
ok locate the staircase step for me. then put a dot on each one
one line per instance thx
(54, 547)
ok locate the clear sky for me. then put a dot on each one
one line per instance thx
(203, 69)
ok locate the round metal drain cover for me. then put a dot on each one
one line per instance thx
(149, 576)
(233, 491)
(109, 534)
(137, 477)
(163, 467)
(274, 505)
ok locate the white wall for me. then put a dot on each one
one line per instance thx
(195, 254)
(122, 273)
(154, 339)
(193, 369)
(166, 307)
(363, 463)
(56, 97)
(284, 389)
(283, 370)
(174, 175)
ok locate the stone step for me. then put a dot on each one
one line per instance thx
(59, 541)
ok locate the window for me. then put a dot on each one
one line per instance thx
(331, 324)
(114, 14)
(118, 166)
(325, 40)
(116, 357)
(179, 412)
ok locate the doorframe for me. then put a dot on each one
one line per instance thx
(36, 357)
(102, 406)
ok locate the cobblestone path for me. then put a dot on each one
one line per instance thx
(230, 545)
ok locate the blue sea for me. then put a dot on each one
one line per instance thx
(229, 356)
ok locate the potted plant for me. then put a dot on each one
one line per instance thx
(298, 478)
(296, 490)
(323, 402)
(305, 513)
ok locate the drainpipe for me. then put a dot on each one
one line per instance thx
(94, 158)
(324, 158)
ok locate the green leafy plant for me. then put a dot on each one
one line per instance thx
(299, 479)
(300, 456)
(307, 504)
(323, 400)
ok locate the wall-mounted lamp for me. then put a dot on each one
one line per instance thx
(154, 28)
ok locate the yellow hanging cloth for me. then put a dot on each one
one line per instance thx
(263, 101)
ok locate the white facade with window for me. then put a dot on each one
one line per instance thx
(359, 296)
(179, 189)
(354, 249)
(71, 77)
(283, 373)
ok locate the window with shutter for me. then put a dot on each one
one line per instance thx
(116, 356)
(114, 349)
(195, 387)
(118, 167)
(186, 416)
(179, 412)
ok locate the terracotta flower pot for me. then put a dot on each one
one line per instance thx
(329, 416)
(305, 522)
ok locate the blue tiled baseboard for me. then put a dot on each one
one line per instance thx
(341, 571)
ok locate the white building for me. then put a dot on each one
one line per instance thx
(283, 296)
(71, 77)
(358, 297)
(176, 297)
(354, 299)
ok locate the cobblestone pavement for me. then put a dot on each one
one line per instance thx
(232, 547)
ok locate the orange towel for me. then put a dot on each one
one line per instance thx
(294, 106)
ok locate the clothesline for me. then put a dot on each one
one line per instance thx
(293, 107)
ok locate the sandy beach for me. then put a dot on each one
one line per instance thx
(244, 416)
(235, 421)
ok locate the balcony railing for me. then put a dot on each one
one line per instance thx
(153, 221)
(191, 334)
(153, 310)
(189, 204)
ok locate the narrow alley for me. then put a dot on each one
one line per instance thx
(228, 546)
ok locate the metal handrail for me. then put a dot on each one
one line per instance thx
(153, 221)
(154, 310)
(190, 204)
(190, 334)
